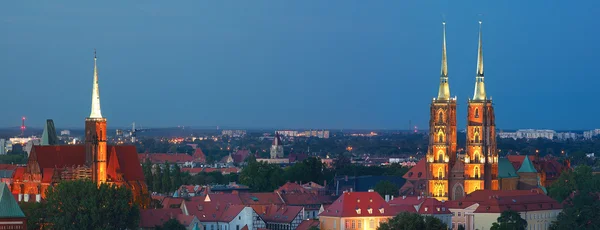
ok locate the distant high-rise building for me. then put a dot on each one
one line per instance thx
(5, 146)
(65, 132)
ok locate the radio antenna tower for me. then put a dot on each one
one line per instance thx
(22, 126)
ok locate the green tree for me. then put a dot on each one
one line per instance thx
(580, 179)
(177, 182)
(82, 204)
(404, 221)
(147, 168)
(166, 178)
(509, 220)
(261, 176)
(157, 180)
(385, 187)
(172, 224)
(36, 214)
(432, 223)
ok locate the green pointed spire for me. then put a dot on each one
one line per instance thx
(527, 166)
(49, 135)
(10, 208)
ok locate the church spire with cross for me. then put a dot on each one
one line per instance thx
(95, 113)
(479, 85)
(444, 91)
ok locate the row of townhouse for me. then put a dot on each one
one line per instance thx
(478, 210)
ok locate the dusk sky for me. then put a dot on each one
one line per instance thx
(296, 64)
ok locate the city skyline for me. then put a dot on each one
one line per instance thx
(271, 77)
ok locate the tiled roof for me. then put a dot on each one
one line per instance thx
(7, 167)
(7, 170)
(277, 213)
(527, 166)
(433, 206)
(407, 200)
(74, 155)
(536, 202)
(482, 195)
(220, 198)
(306, 199)
(10, 208)
(150, 218)
(47, 175)
(291, 187)
(186, 220)
(213, 211)
(350, 204)
(172, 202)
(417, 172)
(262, 198)
(307, 224)
(506, 169)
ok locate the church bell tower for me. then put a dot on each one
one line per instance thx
(441, 153)
(95, 134)
(481, 161)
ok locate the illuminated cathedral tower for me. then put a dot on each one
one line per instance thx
(441, 154)
(481, 161)
(95, 135)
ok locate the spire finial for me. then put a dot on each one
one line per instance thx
(444, 91)
(479, 85)
(96, 113)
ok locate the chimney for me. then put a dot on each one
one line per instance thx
(392, 197)
(418, 197)
(403, 197)
(371, 190)
(387, 198)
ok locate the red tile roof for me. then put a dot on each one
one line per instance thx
(263, 198)
(150, 218)
(306, 199)
(307, 224)
(417, 172)
(47, 175)
(350, 202)
(186, 220)
(433, 206)
(291, 187)
(277, 213)
(7, 167)
(19, 173)
(518, 203)
(49, 157)
(172, 202)
(482, 195)
(213, 211)
(224, 198)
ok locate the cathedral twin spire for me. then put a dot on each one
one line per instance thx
(444, 91)
(96, 113)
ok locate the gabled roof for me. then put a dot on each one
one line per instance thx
(277, 213)
(417, 172)
(61, 156)
(212, 211)
(527, 166)
(306, 199)
(535, 202)
(506, 169)
(350, 204)
(262, 198)
(307, 224)
(10, 208)
(291, 187)
(433, 206)
(161, 158)
(150, 218)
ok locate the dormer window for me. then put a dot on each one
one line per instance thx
(358, 211)
(381, 210)
(426, 209)
(370, 210)
(438, 209)
(357, 200)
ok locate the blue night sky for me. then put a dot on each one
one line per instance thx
(296, 64)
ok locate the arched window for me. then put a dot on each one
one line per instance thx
(441, 137)
(440, 174)
(440, 192)
(476, 113)
(476, 157)
(440, 156)
(476, 172)
(476, 137)
(441, 117)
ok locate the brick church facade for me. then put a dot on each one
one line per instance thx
(94, 160)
